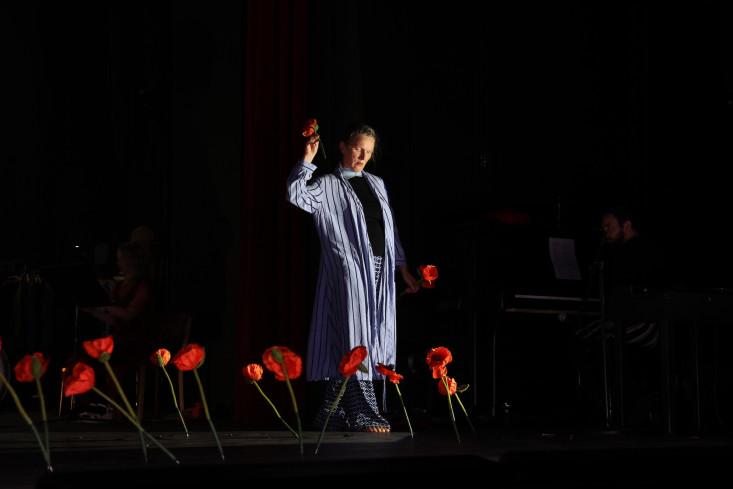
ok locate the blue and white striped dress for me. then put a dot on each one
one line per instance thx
(349, 309)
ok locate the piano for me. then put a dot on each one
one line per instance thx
(540, 271)
(537, 285)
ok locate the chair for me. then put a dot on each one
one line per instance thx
(173, 334)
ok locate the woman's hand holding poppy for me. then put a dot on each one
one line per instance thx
(311, 147)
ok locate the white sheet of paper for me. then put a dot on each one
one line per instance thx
(562, 253)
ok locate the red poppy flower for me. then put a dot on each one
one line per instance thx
(452, 384)
(439, 357)
(351, 361)
(80, 381)
(95, 348)
(439, 372)
(429, 274)
(310, 127)
(24, 371)
(252, 372)
(293, 363)
(393, 376)
(165, 357)
(190, 357)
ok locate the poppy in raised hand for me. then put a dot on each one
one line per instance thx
(28, 371)
(310, 128)
(190, 357)
(293, 363)
(351, 361)
(99, 347)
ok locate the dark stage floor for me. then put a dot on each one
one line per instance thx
(532, 455)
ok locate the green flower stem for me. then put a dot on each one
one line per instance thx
(24, 414)
(333, 406)
(175, 401)
(320, 145)
(134, 420)
(43, 416)
(450, 408)
(466, 414)
(273, 408)
(295, 407)
(206, 410)
(105, 361)
(412, 435)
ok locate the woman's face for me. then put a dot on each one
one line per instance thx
(356, 154)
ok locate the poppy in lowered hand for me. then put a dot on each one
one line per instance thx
(429, 273)
(190, 357)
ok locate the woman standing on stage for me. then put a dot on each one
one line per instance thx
(355, 295)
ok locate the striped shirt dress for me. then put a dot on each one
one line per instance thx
(349, 310)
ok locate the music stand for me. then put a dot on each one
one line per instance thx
(76, 284)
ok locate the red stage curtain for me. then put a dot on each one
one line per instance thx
(273, 294)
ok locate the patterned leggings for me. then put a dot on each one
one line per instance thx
(356, 410)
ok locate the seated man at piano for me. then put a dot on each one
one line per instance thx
(627, 262)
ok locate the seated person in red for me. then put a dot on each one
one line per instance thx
(131, 316)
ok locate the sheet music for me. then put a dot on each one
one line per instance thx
(564, 261)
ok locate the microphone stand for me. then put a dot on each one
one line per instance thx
(598, 267)
(597, 270)
(604, 347)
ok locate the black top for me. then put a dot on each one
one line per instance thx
(372, 213)
(633, 266)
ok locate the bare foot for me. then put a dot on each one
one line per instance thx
(376, 429)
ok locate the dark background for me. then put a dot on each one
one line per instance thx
(185, 115)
